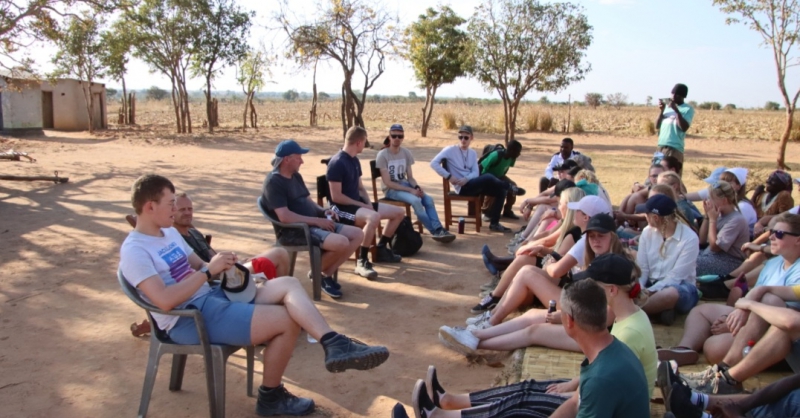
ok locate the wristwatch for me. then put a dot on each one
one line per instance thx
(205, 270)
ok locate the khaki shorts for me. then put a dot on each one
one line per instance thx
(671, 152)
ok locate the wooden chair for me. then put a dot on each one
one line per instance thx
(324, 199)
(376, 174)
(474, 203)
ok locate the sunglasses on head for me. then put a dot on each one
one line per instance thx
(398, 136)
(463, 137)
(780, 234)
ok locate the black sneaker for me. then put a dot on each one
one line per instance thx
(336, 284)
(329, 287)
(518, 191)
(487, 303)
(384, 254)
(496, 227)
(279, 401)
(510, 215)
(680, 402)
(399, 411)
(343, 353)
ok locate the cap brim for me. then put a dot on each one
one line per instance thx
(304, 150)
(246, 295)
(580, 276)
(574, 205)
(598, 229)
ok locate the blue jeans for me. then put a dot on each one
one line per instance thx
(687, 296)
(423, 207)
(488, 184)
(788, 406)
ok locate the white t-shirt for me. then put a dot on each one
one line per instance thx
(144, 256)
(578, 252)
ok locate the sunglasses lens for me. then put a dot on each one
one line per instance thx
(397, 136)
(463, 138)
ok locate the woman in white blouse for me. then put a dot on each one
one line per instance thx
(668, 251)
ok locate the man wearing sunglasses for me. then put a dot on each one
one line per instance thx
(399, 184)
(463, 172)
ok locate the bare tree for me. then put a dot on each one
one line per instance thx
(617, 100)
(778, 23)
(353, 34)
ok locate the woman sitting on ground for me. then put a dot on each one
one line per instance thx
(685, 207)
(737, 177)
(533, 283)
(667, 255)
(618, 276)
(772, 199)
(724, 230)
(532, 254)
(536, 208)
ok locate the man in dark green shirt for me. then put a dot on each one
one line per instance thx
(497, 163)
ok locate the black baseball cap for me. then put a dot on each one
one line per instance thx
(561, 186)
(575, 170)
(602, 222)
(608, 268)
(660, 205)
(465, 128)
(566, 165)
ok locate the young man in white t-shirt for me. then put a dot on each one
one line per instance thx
(167, 273)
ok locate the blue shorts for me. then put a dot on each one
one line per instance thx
(788, 406)
(687, 296)
(226, 322)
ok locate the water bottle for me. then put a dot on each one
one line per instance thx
(461, 223)
(552, 307)
(747, 348)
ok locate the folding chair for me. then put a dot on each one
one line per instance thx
(474, 204)
(215, 356)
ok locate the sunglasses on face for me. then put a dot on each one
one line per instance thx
(398, 136)
(463, 138)
(780, 234)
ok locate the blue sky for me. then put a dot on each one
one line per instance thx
(640, 48)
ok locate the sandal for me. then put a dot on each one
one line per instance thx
(140, 329)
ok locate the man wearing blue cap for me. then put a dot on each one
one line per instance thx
(286, 198)
(351, 203)
(399, 184)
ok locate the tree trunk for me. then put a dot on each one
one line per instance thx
(253, 115)
(313, 113)
(785, 138)
(427, 110)
(209, 110)
(345, 98)
(125, 121)
(132, 108)
(176, 106)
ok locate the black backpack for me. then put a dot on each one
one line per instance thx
(490, 149)
(406, 240)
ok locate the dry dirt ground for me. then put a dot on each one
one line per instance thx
(65, 347)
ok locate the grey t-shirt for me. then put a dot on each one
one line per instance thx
(732, 233)
(395, 164)
(280, 192)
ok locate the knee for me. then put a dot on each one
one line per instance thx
(773, 300)
(373, 219)
(398, 212)
(339, 243)
(281, 255)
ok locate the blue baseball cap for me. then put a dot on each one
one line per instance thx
(396, 127)
(289, 147)
(660, 205)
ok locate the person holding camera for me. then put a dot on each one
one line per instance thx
(673, 121)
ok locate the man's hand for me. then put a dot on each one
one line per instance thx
(553, 317)
(720, 326)
(674, 106)
(661, 105)
(459, 182)
(326, 224)
(331, 214)
(417, 191)
(221, 262)
(738, 318)
(620, 216)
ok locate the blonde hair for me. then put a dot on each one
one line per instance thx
(573, 194)
(666, 190)
(587, 175)
(670, 178)
(354, 134)
(723, 189)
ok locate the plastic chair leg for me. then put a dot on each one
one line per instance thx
(316, 271)
(219, 360)
(251, 352)
(149, 379)
(292, 260)
(176, 377)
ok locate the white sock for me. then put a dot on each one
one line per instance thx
(699, 399)
(706, 415)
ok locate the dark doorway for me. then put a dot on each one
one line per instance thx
(47, 110)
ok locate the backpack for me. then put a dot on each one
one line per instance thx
(500, 148)
(406, 240)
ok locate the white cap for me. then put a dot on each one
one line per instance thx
(740, 173)
(714, 177)
(591, 205)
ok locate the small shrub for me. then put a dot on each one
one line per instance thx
(772, 106)
(594, 99)
(545, 122)
(577, 126)
(531, 120)
(710, 106)
(648, 127)
(730, 106)
(449, 120)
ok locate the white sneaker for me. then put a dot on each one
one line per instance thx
(484, 317)
(459, 339)
(364, 269)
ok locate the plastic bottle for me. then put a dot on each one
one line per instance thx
(461, 223)
(551, 308)
(747, 348)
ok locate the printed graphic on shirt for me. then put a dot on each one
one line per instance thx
(177, 261)
(397, 169)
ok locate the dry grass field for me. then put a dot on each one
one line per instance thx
(487, 118)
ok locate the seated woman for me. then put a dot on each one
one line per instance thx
(667, 256)
(724, 230)
(535, 208)
(772, 199)
(617, 275)
(737, 177)
(587, 181)
(639, 191)
(561, 242)
(685, 207)
(533, 283)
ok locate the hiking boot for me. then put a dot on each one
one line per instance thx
(279, 401)
(343, 353)
(713, 382)
(336, 284)
(480, 318)
(497, 227)
(679, 402)
(510, 215)
(329, 287)
(441, 235)
(492, 284)
(667, 317)
(459, 339)
(684, 356)
(488, 303)
(364, 269)
(385, 254)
